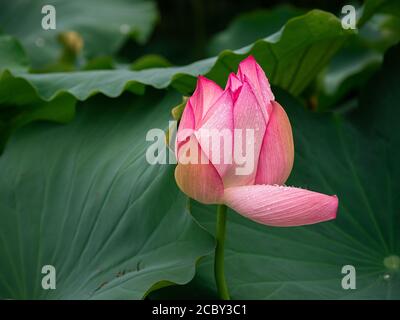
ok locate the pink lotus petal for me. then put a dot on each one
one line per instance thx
(216, 133)
(186, 126)
(246, 115)
(281, 206)
(199, 179)
(277, 152)
(250, 68)
(206, 94)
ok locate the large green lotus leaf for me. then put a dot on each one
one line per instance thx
(252, 26)
(291, 57)
(357, 159)
(104, 25)
(82, 198)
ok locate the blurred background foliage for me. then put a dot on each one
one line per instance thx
(141, 34)
(179, 30)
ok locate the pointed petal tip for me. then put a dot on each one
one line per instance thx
(205, 94)
(247, 82)
(203, 83)
(335, 206)
(233, 80)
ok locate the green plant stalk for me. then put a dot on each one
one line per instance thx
(219, 272)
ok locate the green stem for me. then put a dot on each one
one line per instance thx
(219, 253)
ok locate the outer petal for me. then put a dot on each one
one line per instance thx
(281, 206)
(199, 180)
(206, 94)
(277, 152)
(251, 69)
(246, 115)
(216, 133)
